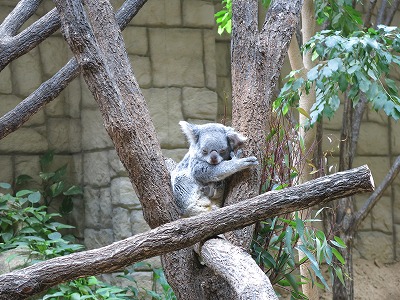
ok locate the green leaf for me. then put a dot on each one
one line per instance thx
(338, 256)
(46, 176)
(313, 73)
(73, 190)
(46, 159)
(22, 193)
(339, 274)
(5, 185)
(34, 197)
(21, 179)
(54, 236)
(309, 255)
(340, 242)
(56, 188)
(343, 83)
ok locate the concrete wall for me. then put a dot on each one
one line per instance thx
(182, 66)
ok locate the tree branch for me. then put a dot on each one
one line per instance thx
(256, 68)
(238, 268)
(182, 233)
(51, 88)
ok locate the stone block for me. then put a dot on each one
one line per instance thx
(142, 70)
(77, 218)
(9, 102)
(379, 166)
(382, 219)
(28, 165)
(13, 259)
(123, 194)
(224, 91)
(395, 138)
(75, 135)
(198, 13)
(379, 117)
(375, 245)
(56, 108)
(200, 103)
(373, 139)
(175, 154)
(397, 235)
(54, 55)
(94, 134)
(156, 12)
(73, 95)
(5, 81)
(366, 224)
(396, 203)
(98, 207)
(137, 222)
(121, 223)
(223, 62)
(166, 111)
(58, 134)
(335, 123)
(27, 73)
(210, 66)
(96, 169)
(98, 238)
(136, 41)
(6, 167)
(116, 166)
(24, 140)
(177, 57)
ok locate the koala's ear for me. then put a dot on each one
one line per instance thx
(236, 140)
(191, 131)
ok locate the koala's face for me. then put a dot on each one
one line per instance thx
(213, 148)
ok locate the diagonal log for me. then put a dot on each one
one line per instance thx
(183, 233)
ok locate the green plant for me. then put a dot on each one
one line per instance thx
(25, 223)
(356, 64)
(275, 240)
(53, 185)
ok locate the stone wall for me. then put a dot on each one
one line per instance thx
(182, 66)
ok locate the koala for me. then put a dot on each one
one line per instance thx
(198, 181)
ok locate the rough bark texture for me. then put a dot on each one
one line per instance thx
(185, 232)
(256, 60)
(238, 268)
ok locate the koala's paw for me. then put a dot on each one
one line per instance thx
(250, 161)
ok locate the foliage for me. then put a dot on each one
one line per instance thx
(26, 224)
(276, 239)
(224, 17)
(53, 185)
(354, 65)
(340, 15)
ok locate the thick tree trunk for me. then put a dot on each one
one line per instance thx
(185, 232)
(256, 60)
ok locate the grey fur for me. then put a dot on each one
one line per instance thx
(198, 181)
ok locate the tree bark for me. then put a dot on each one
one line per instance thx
(183, 233)
(256, 63)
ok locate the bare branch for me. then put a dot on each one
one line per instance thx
(381, 13)
(50, 89)
(391, 12)
(47, 91)
(182, 233)
(368, 14)
(19, 15)
(376, 195)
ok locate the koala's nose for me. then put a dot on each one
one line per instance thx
(214, 157)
